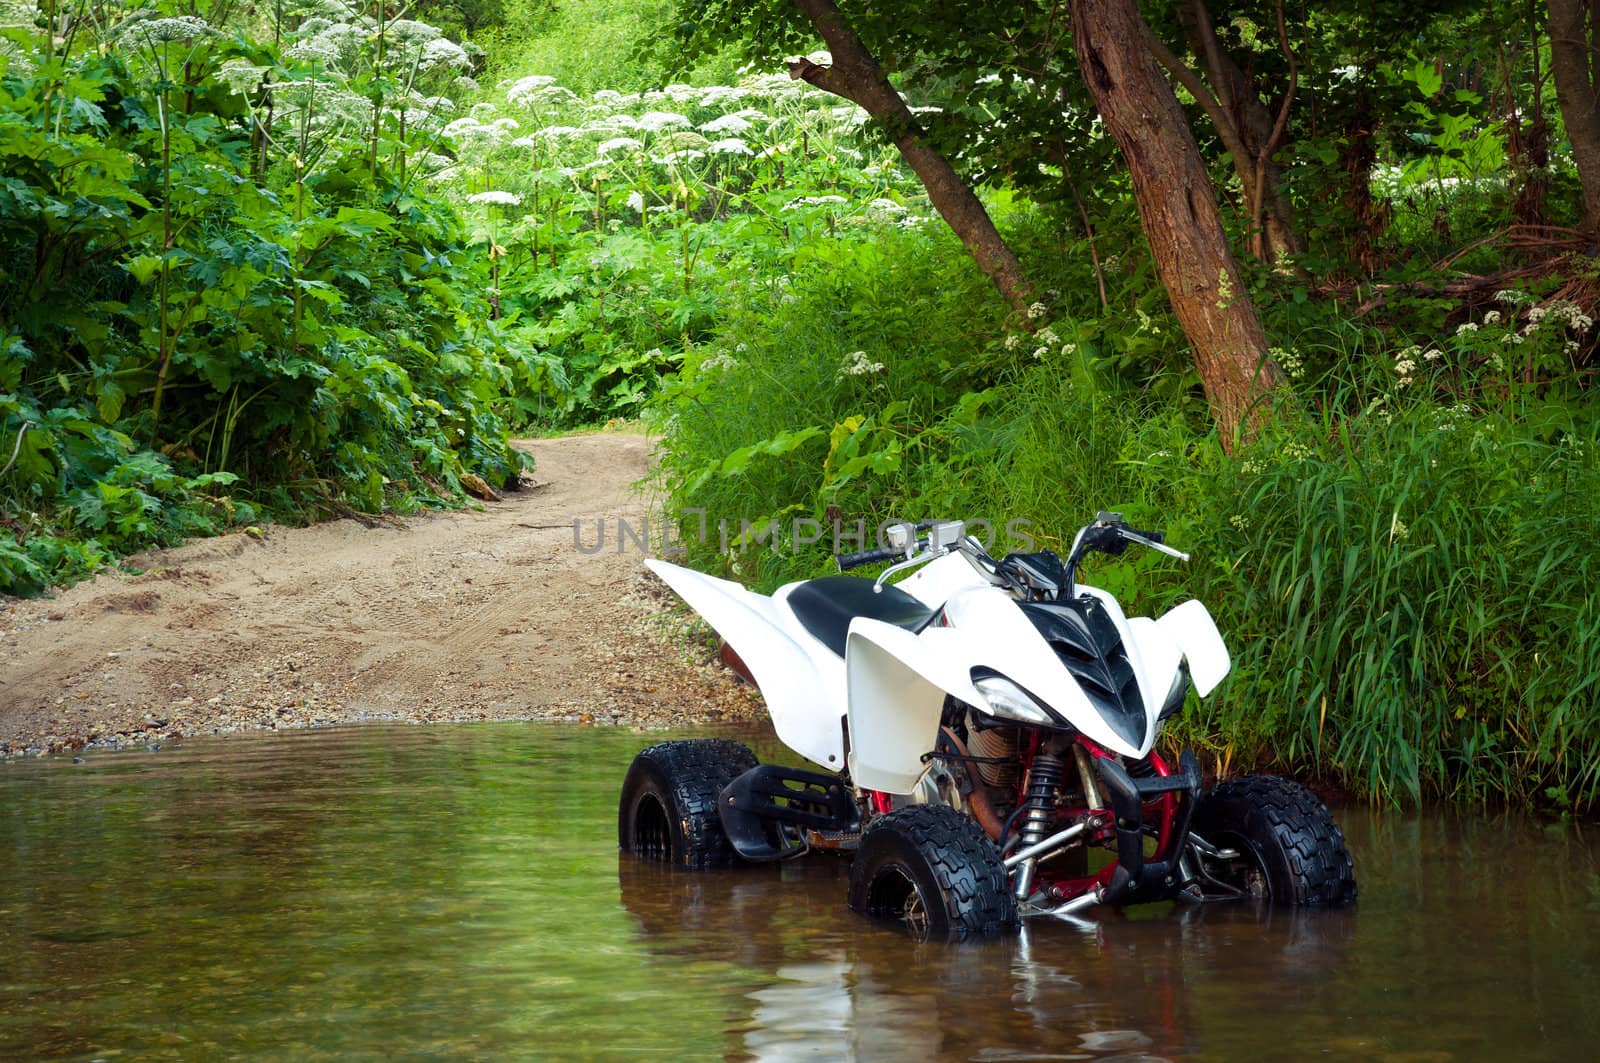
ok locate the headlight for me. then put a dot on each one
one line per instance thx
(1175, 696)
(1008, 700)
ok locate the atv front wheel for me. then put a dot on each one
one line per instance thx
(668, 811)
(934, 870)
(1290, 850)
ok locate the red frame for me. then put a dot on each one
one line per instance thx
(1066, 887)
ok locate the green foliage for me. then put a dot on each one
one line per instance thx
(590, 45)
(619, 227)
(218, 273)
(1399, 566)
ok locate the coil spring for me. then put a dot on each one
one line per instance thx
(1043, 779)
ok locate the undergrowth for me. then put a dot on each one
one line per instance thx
(1401, 565)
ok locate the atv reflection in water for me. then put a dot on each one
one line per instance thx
(985, 732)
(1119, 986)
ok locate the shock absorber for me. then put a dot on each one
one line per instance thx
(1043, 779)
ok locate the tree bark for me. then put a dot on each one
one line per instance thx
(1358, 154)
(1574, 61)
(1246, 128)
(856, 76)
(1178, 214)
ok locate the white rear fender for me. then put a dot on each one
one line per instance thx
(897, 683)
(802, 685)
(1190, 626)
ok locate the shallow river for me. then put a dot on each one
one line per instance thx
(456, 892)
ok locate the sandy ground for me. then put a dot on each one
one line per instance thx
(458, 616)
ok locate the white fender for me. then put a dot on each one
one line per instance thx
(802, 689)
(1191, 627)
(996, 634)
(897, 683)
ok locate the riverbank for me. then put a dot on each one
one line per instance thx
(492, 614)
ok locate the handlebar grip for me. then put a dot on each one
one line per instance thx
(867, 557)
(1153, 536)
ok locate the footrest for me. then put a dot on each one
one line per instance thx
(768, 811)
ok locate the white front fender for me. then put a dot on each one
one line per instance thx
(897, 684)
(1191, 627)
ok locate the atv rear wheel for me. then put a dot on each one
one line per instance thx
(933, 870)
(668, 810)
(1291, 851)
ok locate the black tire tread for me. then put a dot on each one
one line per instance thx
(1319, 871)
(967, 868)
(694, 772)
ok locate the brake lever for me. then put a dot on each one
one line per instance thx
(910, 562)
(1135, 537)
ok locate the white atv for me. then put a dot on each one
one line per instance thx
(987, 729)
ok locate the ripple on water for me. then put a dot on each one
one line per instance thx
(375, 891)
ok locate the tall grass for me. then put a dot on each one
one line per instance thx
(1412, 605)
(1406, 577)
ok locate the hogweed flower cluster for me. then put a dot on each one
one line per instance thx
(856, 363)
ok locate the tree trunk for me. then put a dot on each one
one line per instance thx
(856, 76)
(1574, 61)
(1177, 212)
(1244, 125)
(1369, 216)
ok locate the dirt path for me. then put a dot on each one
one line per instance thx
(457, 616)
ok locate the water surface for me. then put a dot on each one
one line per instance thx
(456, 892)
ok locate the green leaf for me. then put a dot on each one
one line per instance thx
(143, 268)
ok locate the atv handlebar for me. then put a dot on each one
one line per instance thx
(868, 557)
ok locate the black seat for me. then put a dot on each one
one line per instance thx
(826, 606)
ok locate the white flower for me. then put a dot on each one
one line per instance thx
(505, 199)
(611, 123)
(813, 201)
(721, 360)
(440, 52)
(1297, 452)
(1466, 327)
(728, 146)
(316, 49)
(856, 363)
(728, 123)
(1036, 311)
(166, 30)
(636, 202)
(656, 121)
(239, 75)
(1492, 318)
(410, 31)
(618, 144)
(1289, 361)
